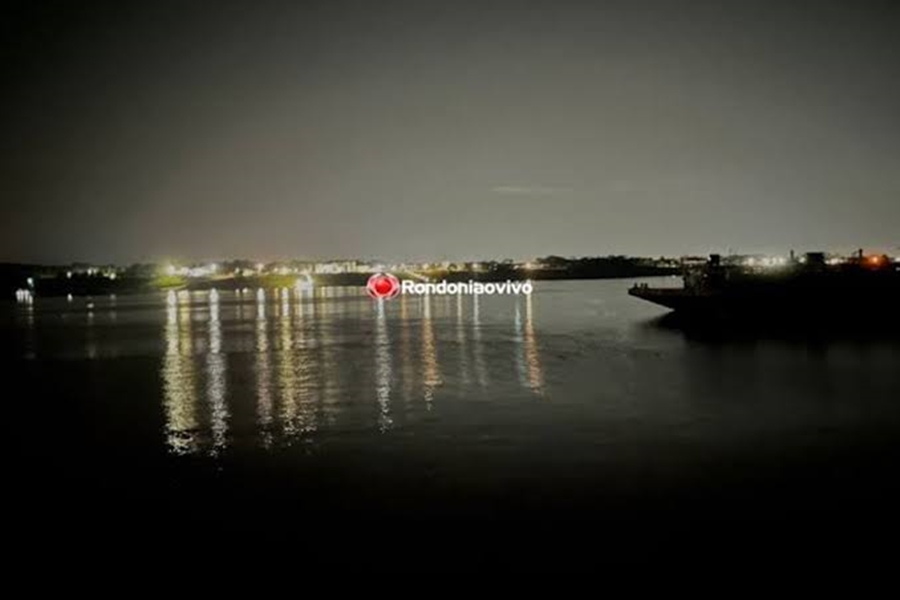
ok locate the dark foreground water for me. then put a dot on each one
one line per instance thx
(560, 429)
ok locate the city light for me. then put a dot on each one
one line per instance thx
(201, 271)
(765, 261)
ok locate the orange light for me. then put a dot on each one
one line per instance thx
(875, 260)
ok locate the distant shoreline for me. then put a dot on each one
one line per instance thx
(97, 286)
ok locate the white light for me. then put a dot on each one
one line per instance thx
(68, 274)
(112, 276)
(30, 282)
(69, 297)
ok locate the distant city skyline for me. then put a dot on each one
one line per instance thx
(247, 266)
(453, 131)
(848, 250)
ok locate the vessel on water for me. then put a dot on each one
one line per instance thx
(812, 288)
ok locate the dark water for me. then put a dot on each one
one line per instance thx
(449, 423)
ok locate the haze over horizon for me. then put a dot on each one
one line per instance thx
(447, 130)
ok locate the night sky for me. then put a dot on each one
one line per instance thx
(447, 130)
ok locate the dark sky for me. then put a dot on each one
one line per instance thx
(447, 130)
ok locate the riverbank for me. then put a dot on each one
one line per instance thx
(62, 285)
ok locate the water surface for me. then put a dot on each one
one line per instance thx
(574, 402)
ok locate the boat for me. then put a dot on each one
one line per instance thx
(809, 289)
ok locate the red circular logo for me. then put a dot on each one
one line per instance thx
(383, 286)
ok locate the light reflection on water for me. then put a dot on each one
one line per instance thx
(229, 372)
(310, 374)
(263, 370)
(215, 377)
(383, 369)
(179, 380)
(530, 349)
(431, 370)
